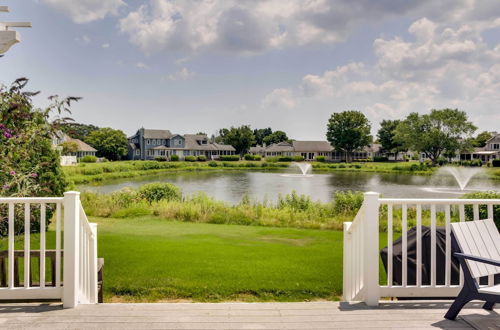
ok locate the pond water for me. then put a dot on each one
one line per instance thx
(232, 186)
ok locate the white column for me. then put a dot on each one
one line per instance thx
(370, 249)
(93, 264)
(71, 244)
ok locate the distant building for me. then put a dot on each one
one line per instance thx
(310, 150)
(487, 153)
(152, 143)
(83, 148)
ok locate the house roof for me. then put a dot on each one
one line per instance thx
(257, 149)
(226, 147)
(157, 134)
(280, 147)
(374, 147)
(82, 146)
(311, 146)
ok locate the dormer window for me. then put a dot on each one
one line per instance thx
(154, 142)
(147, 141)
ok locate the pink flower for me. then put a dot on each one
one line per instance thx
(33, 175)
(12, 172)
(6, 186)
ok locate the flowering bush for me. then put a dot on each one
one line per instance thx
(29, 165)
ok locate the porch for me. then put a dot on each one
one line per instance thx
(301, 315)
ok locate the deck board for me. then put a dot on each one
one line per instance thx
(308, 315)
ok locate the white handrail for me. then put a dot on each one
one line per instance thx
(361, 246)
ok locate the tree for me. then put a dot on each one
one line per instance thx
(386, 138)
(241, 138)
(480, 140)
(68, 147)
(445, 130)
(30, 167)
(260, 134)
(77, 130)
(348, 131)
(110, 143)
(276, 137)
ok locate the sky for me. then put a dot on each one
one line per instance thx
(200, 65)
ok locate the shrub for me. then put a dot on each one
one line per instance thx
(285, 159)
(342, 166)
(271, 159)
(212, 164)
(347, 202)
(154, 192)
(88, 159)
(380, 159)
(202, 158)
(321, 159)
(483, 209)
(232, 158)
(174, 158)
(160, 159)
(132, 212)
(442, 161)
(257, 157)
(295, 201)
(190, 158)
(248, 157)
(495, 162)
(298, 158)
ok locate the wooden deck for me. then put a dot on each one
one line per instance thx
(309, 315)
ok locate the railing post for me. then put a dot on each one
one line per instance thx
(93, 264)
(371, 286)
(347, 275)
(71, 245)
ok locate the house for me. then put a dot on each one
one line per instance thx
(487, 153)
(153, 143)
(310, 150)
(83, 149)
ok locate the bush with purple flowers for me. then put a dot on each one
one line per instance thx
(29, 165)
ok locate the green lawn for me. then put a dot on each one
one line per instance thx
(147, 259)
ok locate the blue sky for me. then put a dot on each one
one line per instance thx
(192, 66)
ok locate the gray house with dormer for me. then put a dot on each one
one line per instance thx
(148, 144)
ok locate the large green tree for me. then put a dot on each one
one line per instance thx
(385, 136)
(433, 134)
(77, 130)
(241, 138)
(348, 131)
(260, 134)
(276, 137)
(480, 140)
(110, 143)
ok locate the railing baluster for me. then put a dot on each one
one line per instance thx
(476, 211)
(11, 245)
(404, 227)
(27, 252)
(419, 246)
(433, 245)
(42, 245)
(461, 215)
(58, 245)
(390, 261)
(448, 245)
(491, 278)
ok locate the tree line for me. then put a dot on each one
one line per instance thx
(440, 133)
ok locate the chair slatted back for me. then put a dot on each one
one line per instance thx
(478, 238)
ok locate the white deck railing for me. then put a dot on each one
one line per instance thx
(361, 280)
(77, 260)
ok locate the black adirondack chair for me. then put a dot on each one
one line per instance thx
(477, 247)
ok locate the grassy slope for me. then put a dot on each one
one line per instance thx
(147, 259)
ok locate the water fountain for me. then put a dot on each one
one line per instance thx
(305, 168)
(462, 174)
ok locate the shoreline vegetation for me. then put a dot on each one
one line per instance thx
(100, 173)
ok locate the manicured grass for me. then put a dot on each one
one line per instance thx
(149, 259)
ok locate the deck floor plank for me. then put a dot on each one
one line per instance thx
(218, 316)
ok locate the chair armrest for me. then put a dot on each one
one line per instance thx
(478, 259)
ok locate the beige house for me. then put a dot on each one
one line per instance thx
(310, 150)
(83, 148)
(487, 153)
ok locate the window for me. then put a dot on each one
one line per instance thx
(147, 141)
(496, 146)
(154, 142)
(158, 142)
(137, 152)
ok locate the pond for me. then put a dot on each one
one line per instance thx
(231, 186)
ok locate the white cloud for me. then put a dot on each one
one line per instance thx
(84, 11)
(106, 45)
(279, 98)
(141, 65)
(442, 65)
(183, 74)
